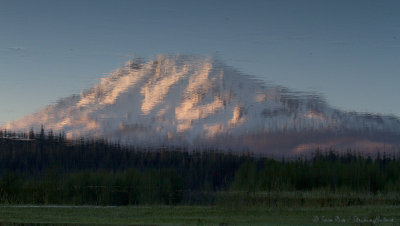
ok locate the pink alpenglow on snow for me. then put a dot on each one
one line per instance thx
(199, 102)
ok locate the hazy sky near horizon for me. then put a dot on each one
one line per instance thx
(349, 51)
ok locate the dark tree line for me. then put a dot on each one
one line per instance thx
(47, 168)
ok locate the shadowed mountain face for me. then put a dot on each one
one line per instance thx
(199, 102)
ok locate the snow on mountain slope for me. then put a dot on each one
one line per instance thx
(196, 101)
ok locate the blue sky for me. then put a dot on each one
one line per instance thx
(347, 50)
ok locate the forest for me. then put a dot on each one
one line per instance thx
(45, 168)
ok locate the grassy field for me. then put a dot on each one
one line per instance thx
(194, 215)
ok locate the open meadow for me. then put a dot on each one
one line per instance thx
(201, 215)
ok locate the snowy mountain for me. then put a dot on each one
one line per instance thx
(199, 102)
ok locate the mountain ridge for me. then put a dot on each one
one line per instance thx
(196, 101)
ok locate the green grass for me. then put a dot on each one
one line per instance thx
(195, 215)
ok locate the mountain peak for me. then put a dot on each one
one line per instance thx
(196, 101)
